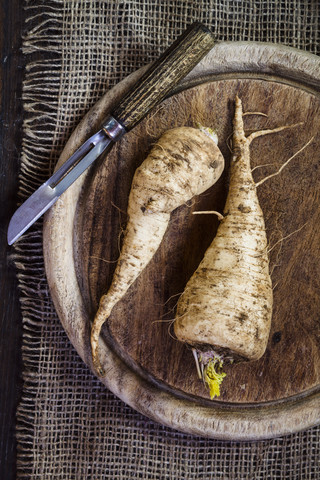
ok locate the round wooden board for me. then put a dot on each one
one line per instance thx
(144, 364)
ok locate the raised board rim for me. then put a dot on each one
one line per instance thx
(227, 422)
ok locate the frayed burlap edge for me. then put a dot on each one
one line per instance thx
(173, 455)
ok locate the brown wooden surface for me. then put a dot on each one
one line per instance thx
(144, 366)
(140, 325)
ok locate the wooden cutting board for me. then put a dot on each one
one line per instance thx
(146, 366)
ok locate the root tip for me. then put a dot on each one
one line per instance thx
(101, 372)
(97, 365)
(238, 100)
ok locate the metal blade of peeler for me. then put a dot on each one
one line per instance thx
(49, 192)
(154, 85)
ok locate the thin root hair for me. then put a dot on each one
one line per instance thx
(196, 359)
(254, 113)
(229, 142)
(261, 133)
(261, 166)
(103, 259)
(172, 309)
(208, 212)
(187, 311)
(285, 163)
(276, 264)
(169, 331)
(168, 300)
(171, 322)
(275, 286)
(122, 229)
(250, 134)
(163, 321)
(121, 233)
(118, 208)
(273, 234)
(286, 237)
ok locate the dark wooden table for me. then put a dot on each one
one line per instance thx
(11, 77)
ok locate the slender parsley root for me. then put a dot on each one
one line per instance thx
(225, 310)
(185, 162)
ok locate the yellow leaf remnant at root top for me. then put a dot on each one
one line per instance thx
(213, 377)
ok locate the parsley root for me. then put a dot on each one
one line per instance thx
(225, 310)
(183, 163)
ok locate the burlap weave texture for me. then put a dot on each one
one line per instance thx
(69, 426)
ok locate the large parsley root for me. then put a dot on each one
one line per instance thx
(225, 310)
(185, 162)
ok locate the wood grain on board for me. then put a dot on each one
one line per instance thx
(145, 366)
(141, 325)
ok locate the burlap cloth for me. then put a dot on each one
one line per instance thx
(68, 425)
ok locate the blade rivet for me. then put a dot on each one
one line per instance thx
(113, 128)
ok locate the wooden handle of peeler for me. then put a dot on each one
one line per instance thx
(173, 65)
